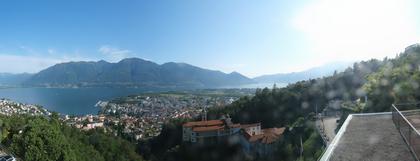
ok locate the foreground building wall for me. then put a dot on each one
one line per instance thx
(371, 136)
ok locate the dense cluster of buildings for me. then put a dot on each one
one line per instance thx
(9, 107)
(133, 127)
(254, 140)
(165, 105)
(86, 122)
(142, 117)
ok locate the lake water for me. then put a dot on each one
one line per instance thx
(80, 101)
(76, 101)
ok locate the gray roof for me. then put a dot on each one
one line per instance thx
(368, 137)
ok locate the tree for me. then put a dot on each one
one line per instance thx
(42, 141)
(38, 138)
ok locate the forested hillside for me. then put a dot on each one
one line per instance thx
(383, 82)
(398, 81)
(292, 107)
(35, 138)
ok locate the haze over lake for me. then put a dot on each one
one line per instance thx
(76, 101)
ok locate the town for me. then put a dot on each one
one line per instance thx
(9, 107)
(135, 117)
(142, 116)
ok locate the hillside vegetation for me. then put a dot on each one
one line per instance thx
(382, 82)
(398, 81)
(35, 138)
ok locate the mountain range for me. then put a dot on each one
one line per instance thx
(8, 79)
(316, 72)
(135, 72)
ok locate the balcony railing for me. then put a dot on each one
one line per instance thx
(409, 133)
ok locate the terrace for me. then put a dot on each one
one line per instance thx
(387, 136)
(407, 122)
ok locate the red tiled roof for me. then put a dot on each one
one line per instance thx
(275, 131)
(208, 128)
(204, 123)
(254, 138)
(267, 136)
(271, 135)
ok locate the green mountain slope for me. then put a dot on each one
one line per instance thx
(398, 81)
(35, 138)
(134, 72)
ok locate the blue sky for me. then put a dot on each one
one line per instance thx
(251, 37)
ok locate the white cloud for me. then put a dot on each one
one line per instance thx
(114, 54)
(32, 62)
(28, 50)
(357, 29)
(29, 64)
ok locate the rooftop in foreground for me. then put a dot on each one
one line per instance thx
(371, 137)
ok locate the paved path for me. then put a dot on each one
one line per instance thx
(327, 126)
(371, 138)
(330, 126)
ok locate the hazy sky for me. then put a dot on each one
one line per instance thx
(252, 37)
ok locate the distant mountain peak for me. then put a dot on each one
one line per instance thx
(133, 59)
(136, 72)
(177, 64)
(235, 73)
(102, 61)
(316, 72)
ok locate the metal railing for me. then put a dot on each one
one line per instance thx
(408, 132)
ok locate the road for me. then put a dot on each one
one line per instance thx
(326, 126)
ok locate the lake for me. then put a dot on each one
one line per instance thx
(81, 101)
(78, 101)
